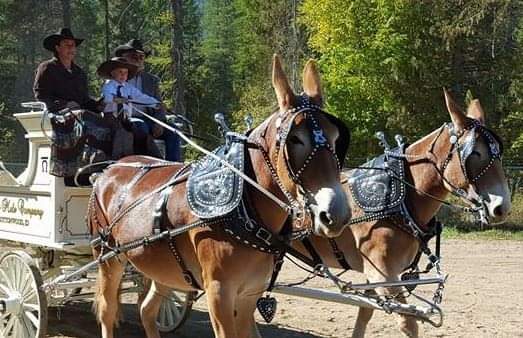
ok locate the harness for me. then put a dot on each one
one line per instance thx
(378, 186)
(216, 194)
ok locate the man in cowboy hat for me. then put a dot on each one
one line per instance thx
(149, 84)
(60, 82)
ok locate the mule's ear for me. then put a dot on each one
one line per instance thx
(475, 111)
(281, 86)
(312, 82)
(456, 113)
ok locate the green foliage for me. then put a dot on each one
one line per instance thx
(386, 62)
(383, 62)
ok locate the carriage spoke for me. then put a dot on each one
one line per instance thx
(31, 307)
(5, 278)
(30, 324)
(177, 312)
(176, 298)
(19, 328)
(27, 283)
(32, 318)
(16, 274)
(163, 314)
(31, 295)
(171, 319)
(8, 326)
(23, 328)
(4, 290)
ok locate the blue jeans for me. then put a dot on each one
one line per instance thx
(142, 128)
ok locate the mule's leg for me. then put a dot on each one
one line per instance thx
(380, 273)
(150, 307)
(407, 324)
(244, 313)
(221, 301)
(362, 319)
(146, 283)
(106, 300)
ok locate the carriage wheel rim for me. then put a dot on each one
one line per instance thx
(173, 311)
(20, 286)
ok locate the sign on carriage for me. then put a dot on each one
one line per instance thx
(19, 210)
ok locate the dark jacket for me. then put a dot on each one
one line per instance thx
(151, 87)
(55, 86)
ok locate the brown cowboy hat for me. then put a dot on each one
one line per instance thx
(105, 69)
(54, 39)
(133, 45)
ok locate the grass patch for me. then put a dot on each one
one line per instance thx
(490, 234)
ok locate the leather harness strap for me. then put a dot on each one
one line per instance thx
(340, 257)
(310, 248)
(160, 220)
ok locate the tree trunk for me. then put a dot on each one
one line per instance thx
(107, 31)
(177, 56)
(66, 12)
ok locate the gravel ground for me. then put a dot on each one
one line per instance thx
(483, 298)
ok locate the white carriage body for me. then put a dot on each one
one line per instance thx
(36, 207)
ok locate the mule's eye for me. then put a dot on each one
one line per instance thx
(476, 153)
(296, 140)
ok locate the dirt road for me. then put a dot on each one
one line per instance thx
(483, 298)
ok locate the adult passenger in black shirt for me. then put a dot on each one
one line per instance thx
(59, 82)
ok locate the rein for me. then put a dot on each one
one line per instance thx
(288, 208)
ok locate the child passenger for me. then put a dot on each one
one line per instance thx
(116, 96)
(117, 70)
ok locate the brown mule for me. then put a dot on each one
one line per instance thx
(232, 274)
(382, 250)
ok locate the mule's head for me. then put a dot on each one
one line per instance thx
(307, 148)
(475, 166)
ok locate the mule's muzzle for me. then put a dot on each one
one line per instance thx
(330, 212)
(498, 209)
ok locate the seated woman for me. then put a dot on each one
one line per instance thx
(116, 96)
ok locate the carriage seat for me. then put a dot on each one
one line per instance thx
(375, 186)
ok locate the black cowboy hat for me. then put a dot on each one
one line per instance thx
(54, 39)
(133, 45)
(105, 69)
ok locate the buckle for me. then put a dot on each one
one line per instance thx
(264, 235)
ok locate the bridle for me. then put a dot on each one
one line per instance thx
(284, 123)
(463, 151)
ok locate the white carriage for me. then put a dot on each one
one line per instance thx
(43, 236)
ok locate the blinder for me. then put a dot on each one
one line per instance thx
(317, 136)
(343, 141)
(466, 149)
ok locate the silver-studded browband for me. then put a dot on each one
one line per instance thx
(318, 138)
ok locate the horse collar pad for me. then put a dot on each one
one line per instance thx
(377, 186)
(213, 189)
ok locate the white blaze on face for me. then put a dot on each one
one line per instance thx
(498, 203)
(330, 210)
(325, 197)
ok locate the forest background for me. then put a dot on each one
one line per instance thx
(384, 63)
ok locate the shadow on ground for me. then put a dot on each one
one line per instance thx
(78, 321)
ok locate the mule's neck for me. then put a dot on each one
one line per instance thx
(423, 173)
(272, 215)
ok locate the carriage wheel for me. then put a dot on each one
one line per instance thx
(25, 304)
(174, 310)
